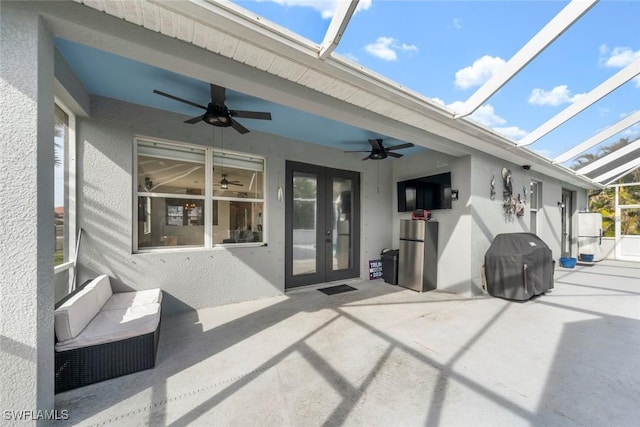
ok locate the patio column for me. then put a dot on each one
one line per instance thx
(26, 215)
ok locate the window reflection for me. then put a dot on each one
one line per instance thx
(237, 222)
(173, 184)
(170, 222)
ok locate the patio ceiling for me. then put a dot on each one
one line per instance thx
(232, 31)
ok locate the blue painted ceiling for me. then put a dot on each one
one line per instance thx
(108, 75)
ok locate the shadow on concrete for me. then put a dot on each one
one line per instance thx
(592, 367)
(594, 374)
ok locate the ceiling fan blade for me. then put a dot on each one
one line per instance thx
(217, 94)
(179, 99)
(237, 126)
(358, 151)
(367, 158)
(376, 144)
(194, 120)
(250, 114)
(396, 155)
(401, 146)
(236, 183)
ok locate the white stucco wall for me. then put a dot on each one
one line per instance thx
(26, 179)
(454, 224)
(199, 278)
(489, 218)
(467, 230)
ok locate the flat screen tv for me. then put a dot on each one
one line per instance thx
(428, 192)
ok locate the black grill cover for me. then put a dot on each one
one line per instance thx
(518, 266)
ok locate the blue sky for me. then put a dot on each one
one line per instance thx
(445, 50)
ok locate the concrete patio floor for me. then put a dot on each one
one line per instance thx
(387, 356)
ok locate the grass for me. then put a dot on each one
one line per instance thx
(58, 258)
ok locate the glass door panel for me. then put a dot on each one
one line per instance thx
(304, 223)
(341, 224)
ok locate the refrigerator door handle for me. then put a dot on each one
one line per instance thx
(600, 236)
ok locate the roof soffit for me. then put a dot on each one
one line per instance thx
(257, 46)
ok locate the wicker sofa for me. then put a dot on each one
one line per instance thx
(102, 335)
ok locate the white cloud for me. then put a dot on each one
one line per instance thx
(326, 7)
(486, 115)
(632, 132)
(350, 56)
(513, 132)
(387, 47)
(556, 96)
(409, 47)
(478, 73)
(617, 57)
(623, 115)
(542, 151)
(455, 105)
(457, 23)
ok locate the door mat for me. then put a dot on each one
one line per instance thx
(332, 290)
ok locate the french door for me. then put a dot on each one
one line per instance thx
(322, 216)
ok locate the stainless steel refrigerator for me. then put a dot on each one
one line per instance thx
(590, 234)
(418, 256)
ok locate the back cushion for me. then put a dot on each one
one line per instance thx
(102, 289)
(76, 313)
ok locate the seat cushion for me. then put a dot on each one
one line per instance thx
(122, 300)
(102, 288)
(75, 314)
(115, 325)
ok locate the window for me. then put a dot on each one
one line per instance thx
(534, 201)
(60, 141)
(629, 205)
(64, 193)
(238, 198)
(64, 198)
(190, 196)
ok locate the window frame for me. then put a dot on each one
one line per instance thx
(208, 197)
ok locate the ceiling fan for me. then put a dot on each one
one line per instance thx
(225, 183)
(379, 151)
(217, 113)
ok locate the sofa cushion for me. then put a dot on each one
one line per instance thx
(115, 325)
(75, 314)
(132, 299)
(102, 288)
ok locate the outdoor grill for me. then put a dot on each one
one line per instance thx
(518, 266)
